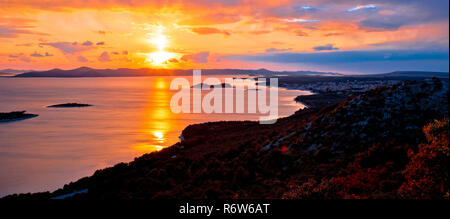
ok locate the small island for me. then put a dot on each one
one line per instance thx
(66, 105)
(15, 116)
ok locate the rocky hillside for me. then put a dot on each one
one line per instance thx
(398, 112)
(369, 146)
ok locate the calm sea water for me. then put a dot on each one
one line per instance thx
(131, 116)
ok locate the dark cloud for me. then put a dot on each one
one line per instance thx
(278, 50)
(104, 57)
(100, 43)
(87, 43)
(385, 22)
(67, 47)
(201, 57)
(81, 59)
(325, 47)
(35, 54)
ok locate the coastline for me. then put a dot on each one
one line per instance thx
(289, 94)
(240, 143)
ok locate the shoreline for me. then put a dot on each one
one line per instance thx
(198, 132)
(249, 160)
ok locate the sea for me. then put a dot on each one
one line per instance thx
(130, 116)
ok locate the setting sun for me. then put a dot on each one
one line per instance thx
(160, 41)
(159, 58)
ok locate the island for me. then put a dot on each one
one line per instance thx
(64, 105)
(15, 116)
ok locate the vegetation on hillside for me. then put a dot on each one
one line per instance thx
(373, 145)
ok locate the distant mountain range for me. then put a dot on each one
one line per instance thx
(413, 74)
(126, 72)
(11, 72)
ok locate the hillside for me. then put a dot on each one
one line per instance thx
(373, 145)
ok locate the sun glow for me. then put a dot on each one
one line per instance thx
(160, 41)
(159, 58)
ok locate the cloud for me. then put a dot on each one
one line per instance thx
(35, 54)
(25, 59)
(278, 50)
(201, 57)
(173, 60)
(13, 32)
(211, 19)
(15, 55)
(300, 20)
(301, 33)
(209, 30)
(25, 44)
(404, 20)
(48, 54)
(325, 47)
(307, 8)
(87, 43)
(12, 27)
(104, 57)
(384, 22)
(124, 52)
(67, 47)
(332, 34)
(82, 59)
(363, 7)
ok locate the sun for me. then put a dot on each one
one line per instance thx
(160, 41)
(159, 58)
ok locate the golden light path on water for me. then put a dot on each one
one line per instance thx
(157, 118)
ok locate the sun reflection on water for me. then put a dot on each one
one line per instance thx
(157, 118)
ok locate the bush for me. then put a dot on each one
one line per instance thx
(427, 174)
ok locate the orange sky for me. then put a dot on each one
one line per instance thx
(202, 34)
